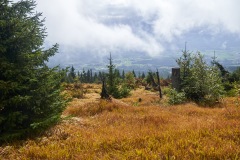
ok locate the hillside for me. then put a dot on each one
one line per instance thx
(138, 127)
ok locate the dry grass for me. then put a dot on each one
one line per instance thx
(123, 130)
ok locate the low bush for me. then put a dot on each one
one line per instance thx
(176, 97)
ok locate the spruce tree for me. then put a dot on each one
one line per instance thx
(123, 74)
(185, 63)
(84, 76)
(200, 82)
(30, 96)
(111, 81)
(134, 74)
(71, 75)
(114, 86)
(235, 76)
(143, 75)
(88, 76)
(72, 72)
(95, 78)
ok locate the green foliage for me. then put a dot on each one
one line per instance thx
(235, 90)
(71, 75)
(124, 91)
(184, 62)
(114, 86)
(147, 79)
(151, 79)
(143, 75)
(199, 81)
(130, 80)
(30, 94)
(166, 90)
(111, 79)
(123, 74)
(176, 97)
(235, 76)
(224, 73)
(134, 74)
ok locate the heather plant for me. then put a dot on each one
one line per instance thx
(114, 130)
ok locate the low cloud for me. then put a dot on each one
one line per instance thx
(134, 26)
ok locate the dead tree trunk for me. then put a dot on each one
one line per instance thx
(154, 85)
(176, 81)
(104, 94)
(159, 87)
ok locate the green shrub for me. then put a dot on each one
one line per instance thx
(199, 81)
(166, 90)
(124, 91)
(176, 97)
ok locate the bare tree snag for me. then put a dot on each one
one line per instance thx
(159, 87)
(104, 94)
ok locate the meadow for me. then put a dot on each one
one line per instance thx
(138, 127)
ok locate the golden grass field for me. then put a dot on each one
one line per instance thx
(129, 129)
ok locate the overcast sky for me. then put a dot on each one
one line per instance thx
(150, 27)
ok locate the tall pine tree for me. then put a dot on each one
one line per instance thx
(30, 96)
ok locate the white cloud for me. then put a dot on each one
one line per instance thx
(178, 17)
(224, 45)
(133, 25)
(77, 24)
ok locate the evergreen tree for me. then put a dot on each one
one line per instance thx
(114, 87)
(30, 96)
(100, 76)
(88, 78)
(225, 75)
(143, 75)
(111, 81)
(130, 80)
(72, 72)
(84, 76)
(200, 82)
(139, 75)
(223, 71)
(123, 74)
(117, 73)
(78, 76)
(95, 78)
(134, 74)
(185, 62)
(71, 75)
(235, 76)
(81, 77)
(91, 76)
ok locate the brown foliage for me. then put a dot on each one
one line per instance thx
(149, 130)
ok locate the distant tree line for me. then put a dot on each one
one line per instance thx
(118, 83)
(88, 76)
